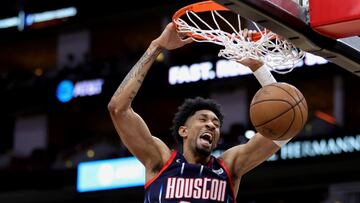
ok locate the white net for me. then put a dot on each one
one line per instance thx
(277, 53)
(303, 3)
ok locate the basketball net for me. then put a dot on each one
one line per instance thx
(275, 51)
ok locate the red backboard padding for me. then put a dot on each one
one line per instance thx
(334, 18)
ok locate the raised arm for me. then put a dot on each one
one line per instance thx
(242, 158)
(132, 129)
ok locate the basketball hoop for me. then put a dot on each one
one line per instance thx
(264, 45)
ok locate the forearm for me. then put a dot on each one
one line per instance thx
(264, 76)
(260, 71)
(124, 95)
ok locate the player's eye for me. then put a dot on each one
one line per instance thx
(202, 119)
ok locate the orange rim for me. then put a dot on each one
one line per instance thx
(205, 6)
(200, 7)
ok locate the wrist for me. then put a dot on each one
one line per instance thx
(154, 49)
(281, 143)
(155, 45)
(255, 65)
(264, 76)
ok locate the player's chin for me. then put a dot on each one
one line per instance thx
(205, 151)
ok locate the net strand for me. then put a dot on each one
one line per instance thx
(278, 54)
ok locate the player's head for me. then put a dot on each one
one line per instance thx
(197, 124)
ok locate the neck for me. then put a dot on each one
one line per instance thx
(195, 158)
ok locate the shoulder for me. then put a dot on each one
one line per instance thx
(233, 159)
(242, 158)
(165, 154)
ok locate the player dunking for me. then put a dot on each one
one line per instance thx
(193, 176)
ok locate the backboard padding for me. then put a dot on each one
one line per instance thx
(290, 20)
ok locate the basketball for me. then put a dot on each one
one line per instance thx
(278, 111)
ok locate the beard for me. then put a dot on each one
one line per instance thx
(203, 151)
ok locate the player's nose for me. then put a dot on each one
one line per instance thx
(210, 126)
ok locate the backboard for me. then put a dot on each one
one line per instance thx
(293, 20)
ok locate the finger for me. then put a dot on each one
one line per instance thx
(181, 35)
(170, 26)
(249, 35)
(245, 33)
(187, 40)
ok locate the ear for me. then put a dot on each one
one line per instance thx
(183, 131)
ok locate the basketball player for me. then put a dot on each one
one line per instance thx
(194, 175)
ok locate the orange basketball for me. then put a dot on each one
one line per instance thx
(278, 111)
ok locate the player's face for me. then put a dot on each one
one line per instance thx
(203, 131)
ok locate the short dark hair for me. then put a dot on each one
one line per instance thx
(188, 108)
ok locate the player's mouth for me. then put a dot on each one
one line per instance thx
(206, 138)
